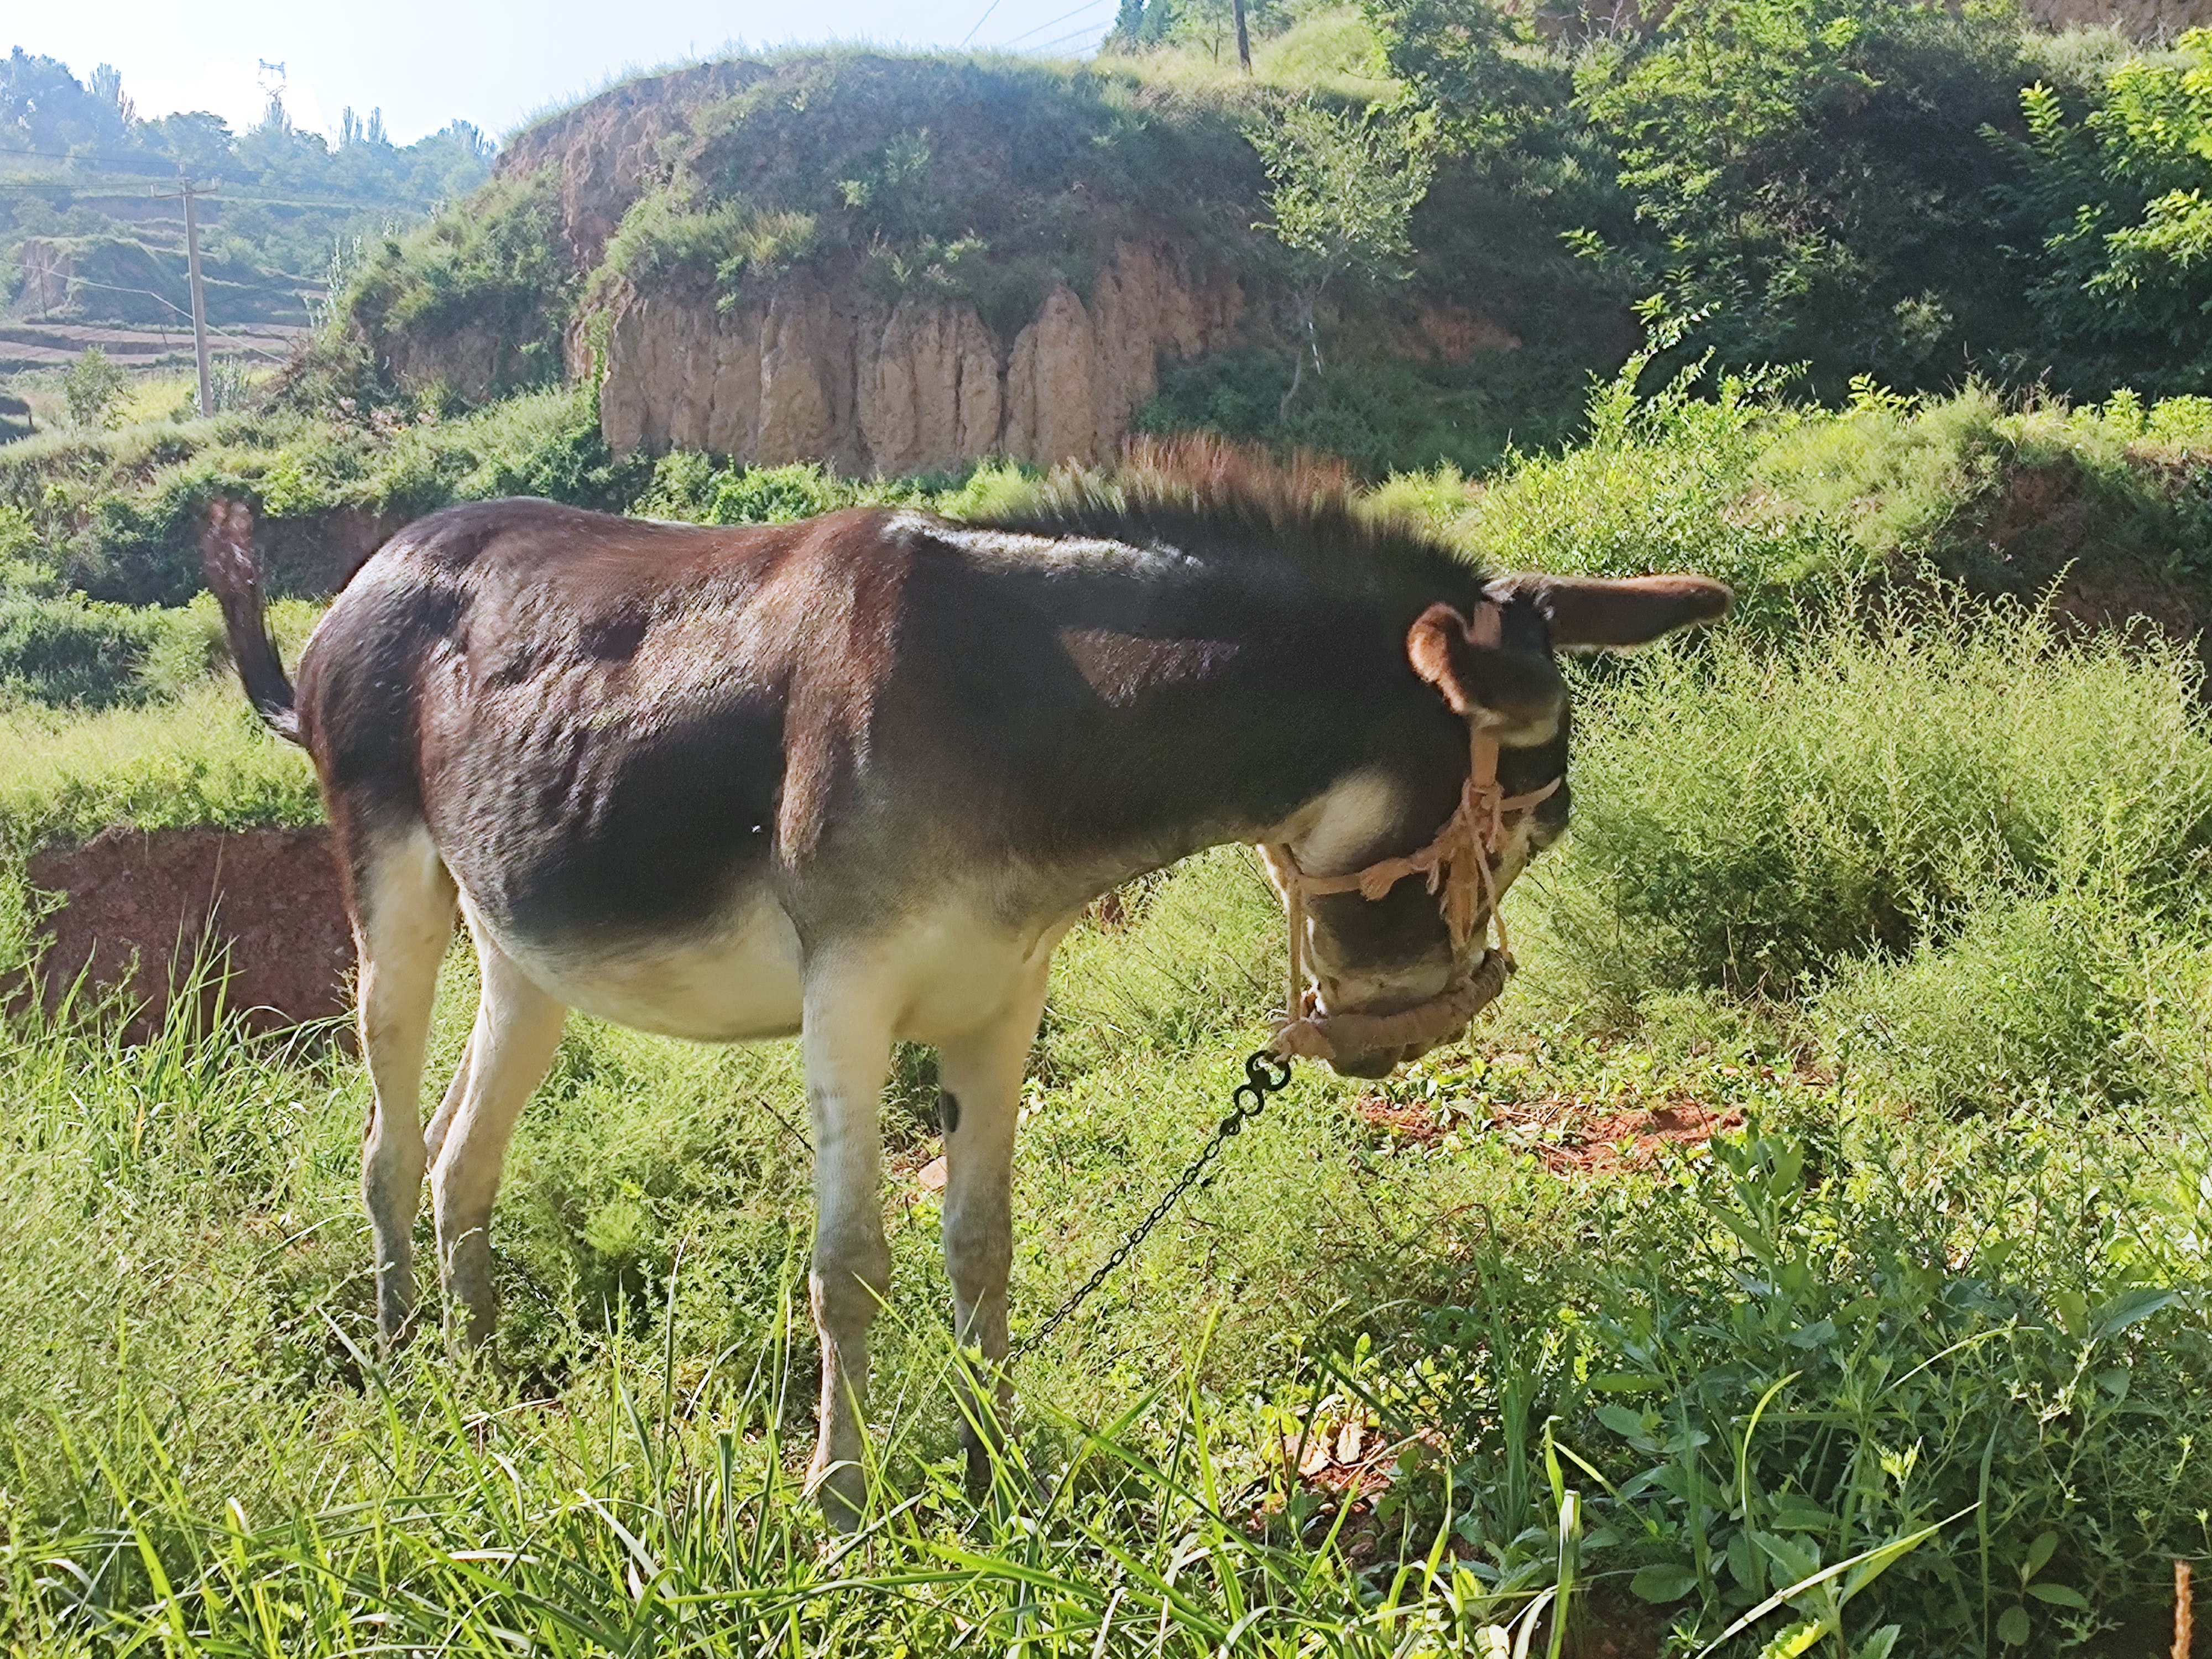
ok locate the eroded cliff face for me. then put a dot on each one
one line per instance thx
(824, 371)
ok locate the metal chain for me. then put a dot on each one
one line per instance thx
(1265, 1074)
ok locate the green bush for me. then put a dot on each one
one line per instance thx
(1382, 414)
(119, 515)
(692, 486)
(1803, 1350)
(492, 267)
(1811, 174)
(2114, 206)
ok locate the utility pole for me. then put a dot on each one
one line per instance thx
(199, 302)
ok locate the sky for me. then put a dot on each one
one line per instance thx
(495, 63)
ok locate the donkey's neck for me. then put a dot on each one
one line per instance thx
(1270, 742)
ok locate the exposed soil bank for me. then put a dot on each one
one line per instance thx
(142, 906)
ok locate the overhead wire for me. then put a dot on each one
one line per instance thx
(1087, 5)
(218, 194)
(1079, 35)
(979, 21)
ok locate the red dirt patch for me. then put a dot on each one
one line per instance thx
(143, 904)
(1574, 1137)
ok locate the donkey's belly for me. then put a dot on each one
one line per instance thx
(738, 983)
(939, 974)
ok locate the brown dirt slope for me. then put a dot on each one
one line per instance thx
(142, 906)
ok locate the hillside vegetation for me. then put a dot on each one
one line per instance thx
(1859, 188)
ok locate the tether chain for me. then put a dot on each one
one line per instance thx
(1264, 1075)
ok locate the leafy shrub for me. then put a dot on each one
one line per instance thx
(1664, 482)
(1819, 1350)
(1382, 414)
(690, 486)
(2114, 201)
(92, 387)
(669, 236)
(1811, 173)
(119, 514)
(492, 268)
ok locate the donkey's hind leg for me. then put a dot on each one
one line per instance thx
(403, 902)
(980, 1075)
(518, 1028)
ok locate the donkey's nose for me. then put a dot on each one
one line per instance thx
(1379, 1064)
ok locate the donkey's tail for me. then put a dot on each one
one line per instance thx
(227, 557)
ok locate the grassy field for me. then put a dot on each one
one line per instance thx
(1908, 893)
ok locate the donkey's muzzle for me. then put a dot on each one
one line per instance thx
(1353, 1043)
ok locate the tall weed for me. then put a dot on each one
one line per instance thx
(1756, 819)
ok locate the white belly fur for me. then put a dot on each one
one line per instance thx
(947, 972)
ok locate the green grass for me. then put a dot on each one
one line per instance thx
(1952, 1276)
(1910, 879)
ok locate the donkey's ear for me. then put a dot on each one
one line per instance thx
(1597, 613)
(1516, 693)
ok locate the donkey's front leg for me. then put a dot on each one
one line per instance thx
(981, 1079)
(847, 1043)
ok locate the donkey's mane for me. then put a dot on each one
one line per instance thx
(1234, 505)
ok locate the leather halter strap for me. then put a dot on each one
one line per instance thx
(1459, 864)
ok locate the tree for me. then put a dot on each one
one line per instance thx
(2117, 213)
(107, 85)
(1344, 187)
(92, 387)
(1481, 69)
(1811, 174)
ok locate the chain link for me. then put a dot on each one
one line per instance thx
(1265, 1074)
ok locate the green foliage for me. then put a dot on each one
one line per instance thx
(1344, 185)
(2114, 201)
(978, 179)
(92, 387)
(1809, 173)
(118, 515)
(1812, 1350)
(1380, 414)
(492, 270)
(1482, 69)
(1893, 823)
(664, 240)
(65, 650)
(199, 759)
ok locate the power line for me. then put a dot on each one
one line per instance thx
(244, 340)
(979, 21)
(171, 194)
(1079, 35)
(82, 155)
(1087, 5)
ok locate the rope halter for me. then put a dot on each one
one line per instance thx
(1460, 865)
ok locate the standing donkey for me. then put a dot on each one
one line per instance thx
(853, 778)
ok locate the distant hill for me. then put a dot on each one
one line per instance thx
(91, 224)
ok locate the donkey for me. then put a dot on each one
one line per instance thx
(853, 778)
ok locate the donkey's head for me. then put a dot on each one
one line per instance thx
(1393, 884)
